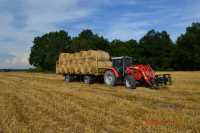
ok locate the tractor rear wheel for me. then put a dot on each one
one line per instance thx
(68, 78)
(130, 82)
(109, 78)
(87, 79)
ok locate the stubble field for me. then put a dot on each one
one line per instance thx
(36, 102)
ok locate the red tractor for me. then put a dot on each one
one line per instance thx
(123, 71)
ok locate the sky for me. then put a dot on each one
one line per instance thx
(22, 20)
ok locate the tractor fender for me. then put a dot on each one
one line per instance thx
(116, 73)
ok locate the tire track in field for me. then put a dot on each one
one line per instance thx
(81, 103)
(28, 101)
(49, 94)
(117, 96)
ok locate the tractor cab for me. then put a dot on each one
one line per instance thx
(121, 63)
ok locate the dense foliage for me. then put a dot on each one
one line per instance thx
(87, 40)
(187, 54)
(155, 48)
(46, 49)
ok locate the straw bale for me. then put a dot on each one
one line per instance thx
(84, 62)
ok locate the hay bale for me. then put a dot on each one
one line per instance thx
(100, 55)
(84, 62)
(104, 64)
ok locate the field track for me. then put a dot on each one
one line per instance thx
(35, 102)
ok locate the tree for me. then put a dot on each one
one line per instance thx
(187, 54)
(87, 40)
(156, 48)
(47, 48)
(120, 48)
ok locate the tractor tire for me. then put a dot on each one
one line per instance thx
(109, 78)
(68, 78)
(87, 79)
(130, 82)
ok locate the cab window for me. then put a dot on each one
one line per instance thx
(128, 62)
(117, 63)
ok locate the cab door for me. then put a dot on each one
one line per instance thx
(118, 65)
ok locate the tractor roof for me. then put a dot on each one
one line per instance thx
(122, 57)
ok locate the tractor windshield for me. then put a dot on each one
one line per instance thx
(118, 63)
(128, 62)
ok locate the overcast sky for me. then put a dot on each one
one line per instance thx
(22, 20)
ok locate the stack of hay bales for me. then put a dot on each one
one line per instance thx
(84, 62)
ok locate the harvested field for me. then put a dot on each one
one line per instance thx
(34, 102)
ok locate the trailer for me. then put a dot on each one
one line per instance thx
(88, 66)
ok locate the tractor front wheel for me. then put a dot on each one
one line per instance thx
(109, 78)
(130, 82)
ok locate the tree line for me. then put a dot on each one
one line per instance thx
(154, 48)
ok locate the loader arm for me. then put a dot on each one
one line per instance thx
(142, 72)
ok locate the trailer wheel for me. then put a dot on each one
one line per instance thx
(109, 78)
(87, 79)
(68, 78)
(130, 82)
